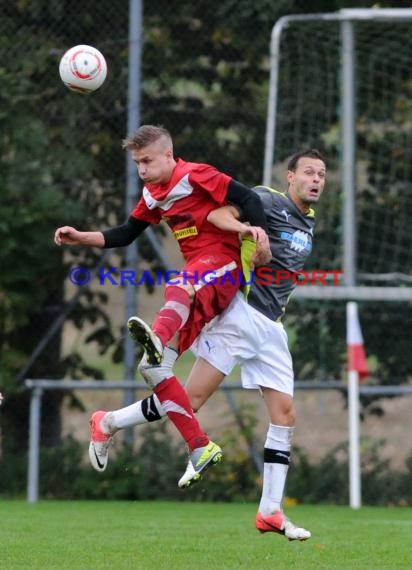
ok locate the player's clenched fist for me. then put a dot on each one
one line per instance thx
(67, 235)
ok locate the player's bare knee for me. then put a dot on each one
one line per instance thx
(291, 416)
(289, 413)
(284, 414)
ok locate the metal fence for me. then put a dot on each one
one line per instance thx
(203, 78)
(354, 87)
(322, 419)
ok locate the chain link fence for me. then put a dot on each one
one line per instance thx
(204, 75)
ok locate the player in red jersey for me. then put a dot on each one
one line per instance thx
(182, 194)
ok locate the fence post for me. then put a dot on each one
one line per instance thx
(354, 436)
(34, 445)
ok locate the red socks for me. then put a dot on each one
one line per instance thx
(177, 406)
(173, 315)
(170, 319)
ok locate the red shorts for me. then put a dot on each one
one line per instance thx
(216, 279)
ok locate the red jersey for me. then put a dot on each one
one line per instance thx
(184, 203)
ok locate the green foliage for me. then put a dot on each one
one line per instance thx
(205, 77)
(327, 481)
(54, 172)
(151, 473)
(309, 114)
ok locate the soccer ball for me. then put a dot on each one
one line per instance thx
(83, 69)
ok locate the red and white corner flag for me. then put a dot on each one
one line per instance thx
(356, 350)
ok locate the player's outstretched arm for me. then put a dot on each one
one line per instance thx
(67, 235)
(118, 236)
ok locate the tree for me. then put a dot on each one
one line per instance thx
(205, 77)
(61, 164)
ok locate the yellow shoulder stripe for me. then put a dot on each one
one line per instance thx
(311, 213)
(272, 190)
(247, 249)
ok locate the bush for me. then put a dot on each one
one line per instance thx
(327, 482)
(152, 473)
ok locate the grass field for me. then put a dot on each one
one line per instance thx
(197, 536)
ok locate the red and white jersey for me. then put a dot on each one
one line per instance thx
(184, 203)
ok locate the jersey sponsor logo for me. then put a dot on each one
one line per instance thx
(185, 232)
(299, 240)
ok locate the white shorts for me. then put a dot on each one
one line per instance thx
(242, 335)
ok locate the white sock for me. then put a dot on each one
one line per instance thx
(141, 412)
(154, 374)
(275, 467)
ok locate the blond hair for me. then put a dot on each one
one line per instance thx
(145, 135)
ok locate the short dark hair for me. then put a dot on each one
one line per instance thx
(145, 135)
(310, 153)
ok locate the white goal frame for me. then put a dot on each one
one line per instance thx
(348, 290)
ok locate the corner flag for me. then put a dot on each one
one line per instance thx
(356, 351)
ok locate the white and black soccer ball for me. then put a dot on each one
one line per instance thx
(83, 68)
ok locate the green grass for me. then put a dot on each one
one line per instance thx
(197, 536)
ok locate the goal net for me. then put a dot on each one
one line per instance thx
(308, 107)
